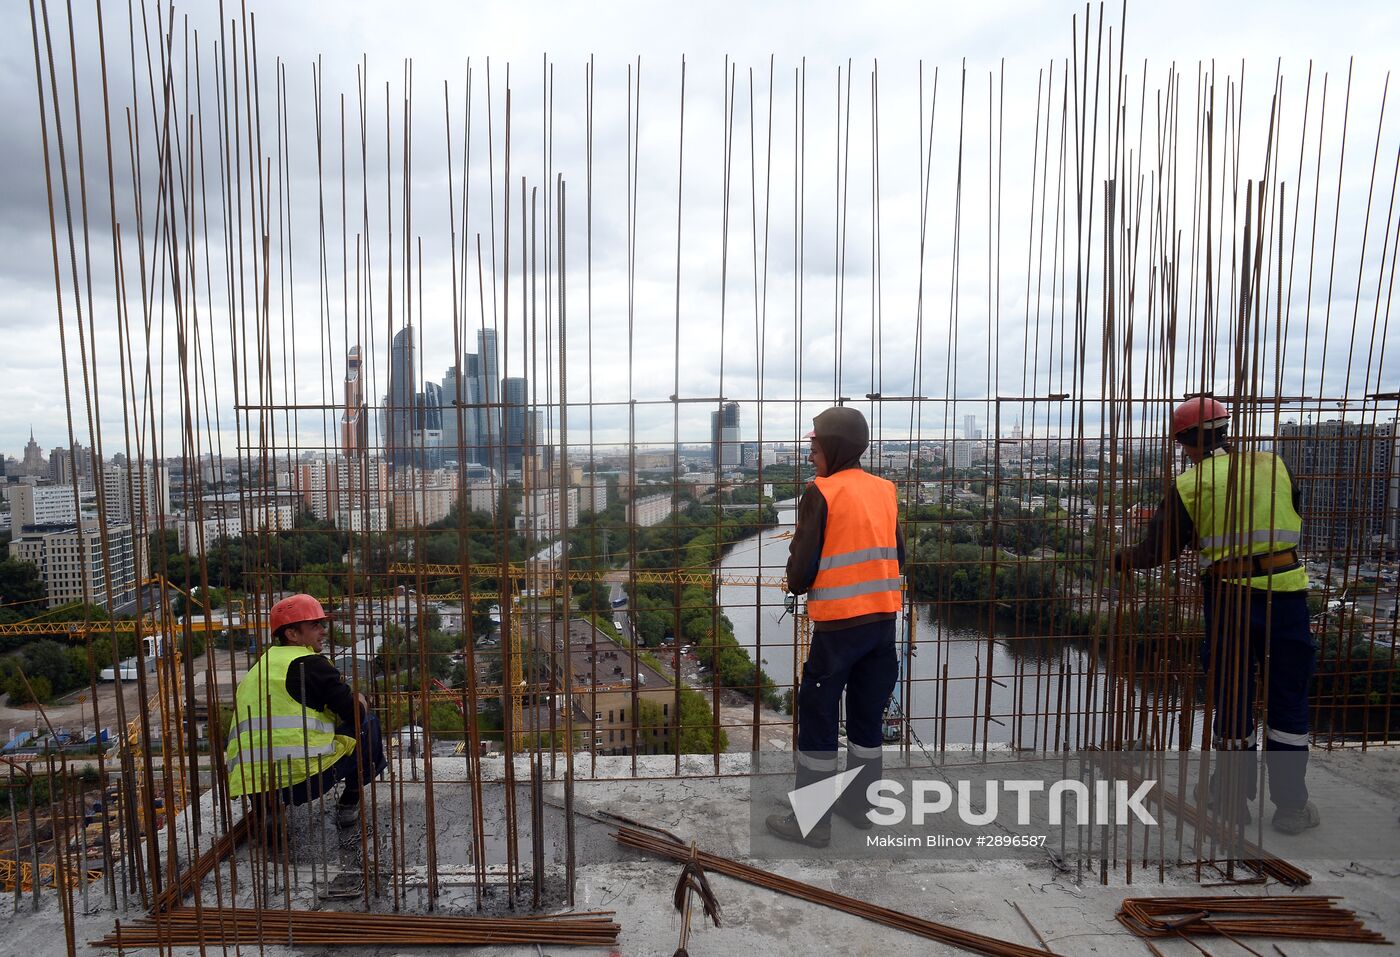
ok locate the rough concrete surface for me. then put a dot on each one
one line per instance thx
(1071, 910)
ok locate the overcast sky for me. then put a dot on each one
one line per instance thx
(980, 310)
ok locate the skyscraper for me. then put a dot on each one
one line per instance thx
(426, 437)
(354, 423)
(970, 431)
(725, 450)
(488, 428)
(516, 398)
(34, 463)
(460, 415)
(399, 404)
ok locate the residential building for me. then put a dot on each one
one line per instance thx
(422, 498)
(593, 492)
(43, 505)
(649, 510)
(539, 512)
(334, 489)
(136, 496)
(70, 560)
(235, 514)
(1348, 478)
(603, 682)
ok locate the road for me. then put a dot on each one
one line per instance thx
(75, 710)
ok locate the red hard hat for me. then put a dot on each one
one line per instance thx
(1201, 411)
(294, 610)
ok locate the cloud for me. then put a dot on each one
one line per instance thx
(992, 287)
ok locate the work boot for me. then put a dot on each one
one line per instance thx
(347, 814)
(855, 816)
(1297, 820)
(786, 827)
(1228, 796)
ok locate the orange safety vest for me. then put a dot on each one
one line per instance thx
(858, 573)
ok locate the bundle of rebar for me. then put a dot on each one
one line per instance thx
(1298, 918)
(190, 877)
(191, 927)
(919, 926)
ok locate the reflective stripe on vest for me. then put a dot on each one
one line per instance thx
(1241, 505)
(858, 571)
(275, 741)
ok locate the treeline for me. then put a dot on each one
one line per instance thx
(1032, 562)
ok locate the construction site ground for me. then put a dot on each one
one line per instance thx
(1070, 909)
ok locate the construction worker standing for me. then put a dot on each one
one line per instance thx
(1240, 510)
(298, 728)
(847, 556)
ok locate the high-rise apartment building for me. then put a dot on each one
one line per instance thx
(136, 496)
(1348, 477)
(349, 492)
(42, 505)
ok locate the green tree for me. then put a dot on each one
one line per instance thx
(694, 733)
(22, 592)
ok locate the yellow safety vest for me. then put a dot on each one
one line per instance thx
(275, 742)
(1242, 505)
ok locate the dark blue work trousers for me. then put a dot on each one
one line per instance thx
(860, 663)
(1250, 631)
(360, 765)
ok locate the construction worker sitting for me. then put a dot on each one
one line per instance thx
(847, 556)
(1240, 510)
(298, 728)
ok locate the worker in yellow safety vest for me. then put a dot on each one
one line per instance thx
(1241, 512)
(298, 728)
(846, 556)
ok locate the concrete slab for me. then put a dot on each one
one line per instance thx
(1071, 910)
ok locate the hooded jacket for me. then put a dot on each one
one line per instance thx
(843, 439)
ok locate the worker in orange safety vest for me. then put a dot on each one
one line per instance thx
(846, 556)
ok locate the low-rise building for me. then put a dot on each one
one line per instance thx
(604, 681)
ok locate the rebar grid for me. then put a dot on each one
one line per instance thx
(557, 562)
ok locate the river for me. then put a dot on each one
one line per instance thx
(1043, 692)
